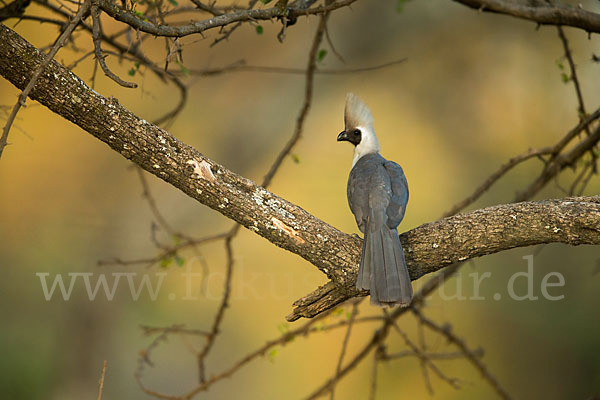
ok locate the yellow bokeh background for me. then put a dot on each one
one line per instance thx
(476, 89)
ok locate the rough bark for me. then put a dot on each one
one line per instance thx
(541, 12)
(428, 247)
(195, 27)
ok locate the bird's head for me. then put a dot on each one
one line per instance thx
(359, 127)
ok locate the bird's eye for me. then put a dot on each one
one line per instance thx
(357, 132)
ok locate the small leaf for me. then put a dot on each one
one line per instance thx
(565, 77)
(179, 260)
(321, 55)
(165, 262)
(259, 29)
(295, 158)
(131, 72)
(283, 328)
(137, 64)
(175, 3)
(272, 354)
(185, 71)
(265, 1)
(400, 5)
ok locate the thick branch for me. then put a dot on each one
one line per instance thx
(542, 13)
(428, 248)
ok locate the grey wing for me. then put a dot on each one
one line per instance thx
(358, 198)
(399, 199)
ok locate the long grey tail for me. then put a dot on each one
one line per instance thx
(383, 268)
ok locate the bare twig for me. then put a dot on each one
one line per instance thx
(96, 29)
(423, 357)
(138, 56)
(101, 382)
(152, 203)
(470, 355)
(345, 343)
(308, 92)
(376, 357)
(220, 312)
(241, 67)
(60, 42)
(151, 330)
(574, 78)
(133, 20)
(578, 92)
(493, 178)
(170, 251)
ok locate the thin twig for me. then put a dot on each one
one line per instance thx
(135, 52)
(152, 330)
(220, 312)
(376, 357)
(96, 38)
(424, 359)
(345, 343)
(574, 78)
(60, 42)
(493, 178)
(216, 22)
(101, 382)
(470, 355)
(241, 67)
(578, 91)
(308, 92)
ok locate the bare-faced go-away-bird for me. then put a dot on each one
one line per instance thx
(377, 195)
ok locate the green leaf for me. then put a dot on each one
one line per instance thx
(565, 77)
(295, 158)
(131, 72)
(179, 260)
(185, 71)
(321, 55)
(137, 64)
(283, 328)
(165, 262)
(265, 1)
(175, 3)
(400, 5)
(272, 354)
(259, 29)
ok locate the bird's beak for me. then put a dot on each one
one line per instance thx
(342, 136)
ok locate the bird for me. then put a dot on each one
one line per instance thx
(377, 195)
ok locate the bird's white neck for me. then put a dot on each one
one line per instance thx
(368, 144)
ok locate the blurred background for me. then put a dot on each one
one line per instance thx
(476, 89)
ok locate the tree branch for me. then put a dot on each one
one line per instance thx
(543, 13)
(131, 19)
(428, 247)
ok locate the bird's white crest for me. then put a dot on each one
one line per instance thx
(358, 116)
